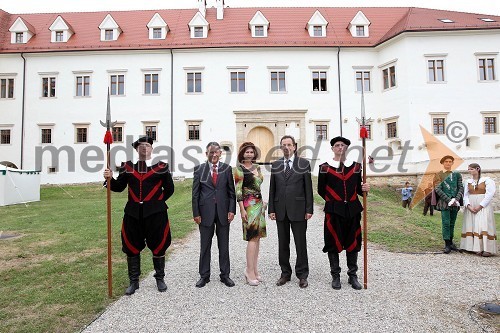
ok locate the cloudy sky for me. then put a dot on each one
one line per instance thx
(491, 7)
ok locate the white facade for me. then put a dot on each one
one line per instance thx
(411, 103)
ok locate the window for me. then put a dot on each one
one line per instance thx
(319, 80)
(117, 132)
(81, 134)
(150, 84)
(360, 30)
(59, 36)
(5, 137)
(150, 130)
(19, 37)
(46, 135)
(321, 132)
(194, 82)
(238, 82)
(117, 85)
(363, 80)
(156, 33)
(446, 21)
(392, 130)
(318, 31)
(194, 132)
(487, 69)
(51, 169)
(278, 81)
(389, 75)
(49, 87)
(259, 31)
(198, 32)
(83, 85)
(436, 70)
(490, 125)
(487, 20)
(438, 125)
(108, 34)
(6, 88)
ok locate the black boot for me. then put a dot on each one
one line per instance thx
(159, 265)
(352, 265)
(333, 257)
(447, 246)
(453, 247)
(134, 271)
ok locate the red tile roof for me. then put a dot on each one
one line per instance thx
(287, 28)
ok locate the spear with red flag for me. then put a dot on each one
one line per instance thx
(363, 134)
(108, 140)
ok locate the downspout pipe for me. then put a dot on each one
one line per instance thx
(23, 106)
(172, 159)
(340, 92)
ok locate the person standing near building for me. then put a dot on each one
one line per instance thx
(428, 200)
(406, 195)
(214, 206)
(291, 205)
(340, 184)
(450, 190)
(146, 219)
(248, 179)
(478, 229)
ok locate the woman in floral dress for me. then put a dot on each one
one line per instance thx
(248, 179)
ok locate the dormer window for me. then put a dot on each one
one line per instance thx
(198, 32)
(318, 31)
(358, 27)
(199, 26)
(110, 30)
(19, 37)
(61, 31)
(446, 21)
(360, 30)
(59, 36)
(317, 25)
(487, 20)
(156, 33)
(108, 34)
(158, 28)
(258, 25)
(21, 31)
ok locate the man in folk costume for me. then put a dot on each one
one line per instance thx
(146, 218)
(450, 190)
(340, 184)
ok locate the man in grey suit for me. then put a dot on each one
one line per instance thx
(214, 206)
(291, 205)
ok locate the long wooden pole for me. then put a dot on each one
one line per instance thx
(108, 192)
(365, 228)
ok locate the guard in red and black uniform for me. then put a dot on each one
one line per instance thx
(146, 219)
(339, 184)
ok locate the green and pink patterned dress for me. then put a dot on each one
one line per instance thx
(248, 191)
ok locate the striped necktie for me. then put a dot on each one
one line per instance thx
(288, 170)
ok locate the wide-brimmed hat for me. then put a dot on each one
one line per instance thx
(340, 138)
(447, 157)
(141, 140)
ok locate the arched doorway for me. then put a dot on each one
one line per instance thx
(263, 138)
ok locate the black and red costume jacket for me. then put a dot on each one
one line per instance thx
(148, 187)
(339, 185)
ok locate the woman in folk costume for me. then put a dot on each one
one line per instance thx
(340, 184)
(478, 230)
(248, 179)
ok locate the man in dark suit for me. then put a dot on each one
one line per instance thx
(291, 205)
(214, 206)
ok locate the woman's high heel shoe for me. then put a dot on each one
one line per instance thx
(250, 281)
(259, 278)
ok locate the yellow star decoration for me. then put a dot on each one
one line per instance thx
(436, 150)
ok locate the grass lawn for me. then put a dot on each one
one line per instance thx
(54, 277)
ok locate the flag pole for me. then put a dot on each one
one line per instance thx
(108, 140)
(363, 133)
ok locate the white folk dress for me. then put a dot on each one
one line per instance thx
(478, 230)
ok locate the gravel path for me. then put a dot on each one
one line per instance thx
(406, 293)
